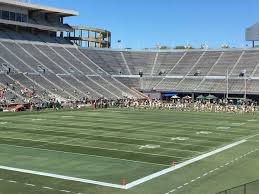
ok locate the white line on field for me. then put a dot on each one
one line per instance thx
(72, 153)
(123, 137)
(47, 188)
(32, 185)
(205, 174)
(61, 177)
(10, 181)
(178, 166)
(101, 148)
(66, 191)
(134, 183)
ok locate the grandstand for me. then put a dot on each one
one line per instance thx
(35, 53)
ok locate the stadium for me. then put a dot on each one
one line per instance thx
(80, 117)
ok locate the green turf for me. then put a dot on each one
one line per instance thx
(104, 145)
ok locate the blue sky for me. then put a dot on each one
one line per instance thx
(144, 23)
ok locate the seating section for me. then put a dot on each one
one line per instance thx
(212, 85)
(140, 61)
(13, 90)
(188, 85)
(50, 87)
(166, 61)
(186, 63)
(206, 62)
(248, 63)
(110, 61)
(132, 82)
(226, 62)
(51, 67)
(26, 36)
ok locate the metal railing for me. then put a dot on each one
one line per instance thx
(247, 188)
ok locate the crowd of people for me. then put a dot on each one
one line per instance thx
(36, 103)
(240, 106)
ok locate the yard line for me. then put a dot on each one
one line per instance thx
(166, 148)
(121, 117)
(168, 134)
(185, 129)
(124, 137)
(119, 123)
(99, 148)
(207, 173)
(47, 188)
(32, 185)
(10, 181)
(134, 183)
(86, 155)
(66, 191)
(67, 141)
(178, 166)
(112, 142)
(126, 121)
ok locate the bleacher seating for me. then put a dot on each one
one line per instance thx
(52, 66)
(166, 61)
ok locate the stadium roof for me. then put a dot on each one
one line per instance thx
(36, 7)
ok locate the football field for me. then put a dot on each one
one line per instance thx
(120, 151)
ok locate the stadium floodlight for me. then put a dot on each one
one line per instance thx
(227, 83)
(244, 75)
(246, 79)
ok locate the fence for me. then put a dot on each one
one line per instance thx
(248, 188)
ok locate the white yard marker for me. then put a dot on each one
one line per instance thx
(10, 181)
(47, 188)
(31, 185)
(68, 116)
(38, 119)
(223, 128)
(203, 132)
(252, 120)
(179, 138)
(3, 123)
(237, 124)
(149, 147)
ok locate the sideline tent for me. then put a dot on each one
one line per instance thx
(201, 97)
(187, 98)
(210, 97)
(175, 97)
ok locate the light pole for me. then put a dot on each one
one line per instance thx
(246, 79)
(227, 77)
(245, 86)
